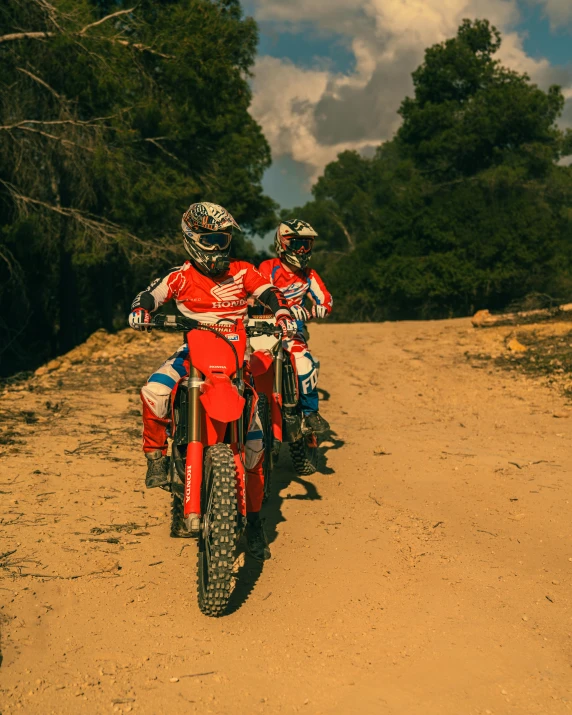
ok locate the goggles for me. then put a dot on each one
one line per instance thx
(216, 241)
(299, 245)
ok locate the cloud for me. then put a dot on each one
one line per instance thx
(313, 114)
(559, 12)
(284, 102)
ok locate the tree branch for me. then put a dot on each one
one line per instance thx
(102, 226)
(105, 19)
(40, 81)
(125, 43)
(63, 140)
(140, 47)
(350, 240)
(109, 232)
(72, 122)
(155, 142)
(26, 36)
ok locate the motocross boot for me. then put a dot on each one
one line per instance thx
(256, 541)
(316, 423)
(157, 470)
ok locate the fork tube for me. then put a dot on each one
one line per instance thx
(276, 404)
(194, 421)
(194, 461)
(278, 370)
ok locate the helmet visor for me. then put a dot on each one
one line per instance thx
(215, 241)
(299, 245)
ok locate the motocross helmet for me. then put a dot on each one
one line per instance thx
(293, 241)
(207, 233)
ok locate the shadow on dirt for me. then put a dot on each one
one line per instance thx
(282, 477)
(330, 442)
(246, 579)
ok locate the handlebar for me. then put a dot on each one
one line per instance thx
(180, 323)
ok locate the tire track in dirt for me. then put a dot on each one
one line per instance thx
(425, 569)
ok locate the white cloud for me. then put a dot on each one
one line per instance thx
(313, 114)
(284, 102)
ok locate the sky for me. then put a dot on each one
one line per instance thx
(331, 74)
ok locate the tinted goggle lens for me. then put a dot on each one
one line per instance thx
(300, 245)
(217, 240)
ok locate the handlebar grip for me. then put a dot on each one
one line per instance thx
(174, 322)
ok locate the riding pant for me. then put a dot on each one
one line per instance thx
(308, 369)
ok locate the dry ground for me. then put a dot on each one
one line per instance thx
(426, 569)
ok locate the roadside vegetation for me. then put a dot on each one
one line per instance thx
(542, 352)
(114, 117)
(467, 207)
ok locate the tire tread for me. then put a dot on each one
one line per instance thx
(214, 590)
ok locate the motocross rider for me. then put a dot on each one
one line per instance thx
(293, 242)
(209, 287)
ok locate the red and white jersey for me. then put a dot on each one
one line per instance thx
(295, 286)
(209, 299)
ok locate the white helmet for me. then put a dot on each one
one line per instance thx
(207, 233)
(294, 241)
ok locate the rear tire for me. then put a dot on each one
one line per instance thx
(219, 532)
(304, 457)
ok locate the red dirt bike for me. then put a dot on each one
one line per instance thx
(210, 414)
(276, 382)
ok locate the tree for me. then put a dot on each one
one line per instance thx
(465, 208)
(113, 119)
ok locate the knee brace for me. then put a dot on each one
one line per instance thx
(156, 396)
(308, 370)
(254, 446)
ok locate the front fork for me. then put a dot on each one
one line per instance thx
(276, 404)
(237, 441)
(194, 461)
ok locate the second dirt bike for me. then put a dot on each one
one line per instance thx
(275, 379)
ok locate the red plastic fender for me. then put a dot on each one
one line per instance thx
(260, 362)
(220, 398)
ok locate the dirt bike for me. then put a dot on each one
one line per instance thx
(276, 383)
(210, 414)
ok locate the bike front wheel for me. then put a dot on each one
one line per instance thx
(219, 530)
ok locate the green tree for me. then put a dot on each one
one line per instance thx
(465, 208)
(112, 120)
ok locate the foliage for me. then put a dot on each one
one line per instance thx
(112, 120)
(465, 208)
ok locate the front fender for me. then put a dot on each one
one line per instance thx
(260, 362)
(221, 399)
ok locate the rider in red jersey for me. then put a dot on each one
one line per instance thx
(210, 287)
(299, 284)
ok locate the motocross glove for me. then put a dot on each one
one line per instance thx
(139, 319)
(300, 313)
(319, 311)
(286, 323)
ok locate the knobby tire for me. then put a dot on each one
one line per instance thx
(304, 457)
(217, 547)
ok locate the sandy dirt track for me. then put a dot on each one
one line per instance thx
(426, 569)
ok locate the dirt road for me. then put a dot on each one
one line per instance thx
(426, 569)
